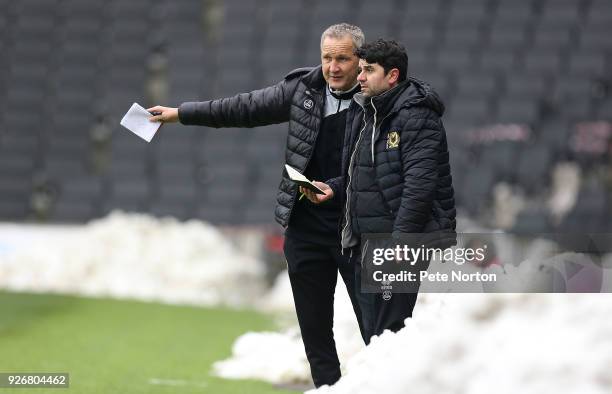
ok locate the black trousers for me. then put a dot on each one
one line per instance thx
(313, 272)
(379, 314)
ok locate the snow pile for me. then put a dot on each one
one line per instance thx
(270, 356)
(279, 357)
(136, 256)
(279, 299)
(476, 343)
(456, 343)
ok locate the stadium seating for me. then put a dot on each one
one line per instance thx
(71, 68)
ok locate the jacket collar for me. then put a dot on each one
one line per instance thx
(382, 102)
(344, 94)
(314, 80)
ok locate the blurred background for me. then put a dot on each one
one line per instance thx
(527, 85)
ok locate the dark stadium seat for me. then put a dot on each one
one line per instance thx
(477, 84)
(377, 20)
(565, 13)
(463, 36)
(545, 62)
(85, 188)
(507, 36)
(220, 215)
(596, 37)
(517, 110)
(604, 110)
(551, 37)
(419, 34)
(502, 157)
(555, 135)
(15, 188)
(532, 221)
(131, 190)
(468, 13)
(13, 209)
(590, 213)
(469, 108)
(475, 192)
(73, 211)
(454, 59)
(425, 12)
(16, 164)
(525, 85)
(573, 86)
(599, 13)
(62, 165)
(532, 170)
(326, 13)
(498, 59)
(588, 63)
(515, 10)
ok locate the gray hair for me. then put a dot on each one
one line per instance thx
(342, 30)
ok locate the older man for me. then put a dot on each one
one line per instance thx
(314, 102)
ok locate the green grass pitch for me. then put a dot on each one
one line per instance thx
(111, 346)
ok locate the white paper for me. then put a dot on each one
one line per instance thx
(301, 180)
(294, 174)
(137, 121)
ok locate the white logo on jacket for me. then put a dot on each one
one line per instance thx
(308, 103)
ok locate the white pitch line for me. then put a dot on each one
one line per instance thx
(176, 382)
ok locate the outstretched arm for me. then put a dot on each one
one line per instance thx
(257, 108)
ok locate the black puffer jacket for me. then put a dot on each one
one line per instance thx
(298, 99)
(396, 175)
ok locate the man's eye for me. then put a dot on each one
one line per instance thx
(359, 70)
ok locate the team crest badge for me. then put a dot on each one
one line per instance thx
(386, 287)
(393, 140)
(308, 103)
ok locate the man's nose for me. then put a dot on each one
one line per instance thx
(361, 77)
(334, 66)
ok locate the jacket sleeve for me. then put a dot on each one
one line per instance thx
(257, 108)
(337, 185)
(420, 146)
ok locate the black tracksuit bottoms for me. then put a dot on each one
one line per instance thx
(313, 272)
(379, 314)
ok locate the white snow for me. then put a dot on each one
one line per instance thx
(483, 343)
(456, 343)
(131, 256)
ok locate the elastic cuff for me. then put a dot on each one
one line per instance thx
(186, 112)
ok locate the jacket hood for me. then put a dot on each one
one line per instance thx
(411, 92)
(419, 93)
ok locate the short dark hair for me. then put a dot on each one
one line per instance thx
(388, 53)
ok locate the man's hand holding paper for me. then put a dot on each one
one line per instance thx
(163, 114)
(318, 198)
(136, 120)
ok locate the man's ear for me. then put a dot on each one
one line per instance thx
(393, 76)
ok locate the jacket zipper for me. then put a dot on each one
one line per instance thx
(348, 185)
(373, 131)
